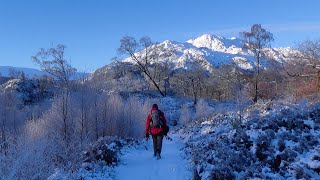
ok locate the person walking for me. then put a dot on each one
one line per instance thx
(155, 124)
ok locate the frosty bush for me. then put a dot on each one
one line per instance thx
(273, 143)
(31, 149)
(202, 109)
(185, 115)
(105, 149)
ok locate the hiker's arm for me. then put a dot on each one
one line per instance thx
(164, 119)
(148, 124)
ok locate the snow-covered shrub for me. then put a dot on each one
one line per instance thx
(202, 109)
(185, 115)
(273, 143)
(30, 156)
(105, 149)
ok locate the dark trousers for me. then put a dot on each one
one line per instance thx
(157, 143)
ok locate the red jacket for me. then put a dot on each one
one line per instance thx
(154, 130)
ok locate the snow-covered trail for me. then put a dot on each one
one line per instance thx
(139, 163)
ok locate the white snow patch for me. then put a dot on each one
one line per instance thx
(290, 143)
(243, 63)
(206, 130)
(253, 134)
(309, 123)
(311, 159)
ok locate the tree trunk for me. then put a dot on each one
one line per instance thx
(96, 118)
(256, 80)
(256, 90)
(194, 92)
(82, 118)
(318, 75)
(65, 113)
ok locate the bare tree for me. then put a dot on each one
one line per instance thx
(310, 52)
(53, 61)
(146, 55)
(190, 81)
(304, 65)
(97, 100)
(256, 40)
(162, 73)
(84, 107)
(236, 83)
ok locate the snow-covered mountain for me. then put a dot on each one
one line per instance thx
(211, 51)
(217, 43)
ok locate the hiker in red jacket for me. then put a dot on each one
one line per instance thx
(154, 126)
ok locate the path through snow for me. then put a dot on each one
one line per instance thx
(139, 163)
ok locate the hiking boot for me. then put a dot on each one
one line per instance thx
(158, 156)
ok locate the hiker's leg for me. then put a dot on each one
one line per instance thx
(154, 139)
(159, 141)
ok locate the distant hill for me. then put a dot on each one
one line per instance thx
(29, 72)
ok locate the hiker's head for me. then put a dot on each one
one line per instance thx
(155, 106)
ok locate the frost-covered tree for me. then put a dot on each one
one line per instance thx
(185, 115)
(83, 103)
(202, 109)
(54, 62)
(256, 40)
(236, 83)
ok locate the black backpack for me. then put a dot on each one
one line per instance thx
(156, 119)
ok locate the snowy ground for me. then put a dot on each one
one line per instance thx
(139, 163)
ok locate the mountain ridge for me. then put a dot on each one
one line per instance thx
(212, 51)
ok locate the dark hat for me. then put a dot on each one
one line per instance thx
(154, 106)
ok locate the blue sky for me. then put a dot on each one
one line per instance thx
(91, 29)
